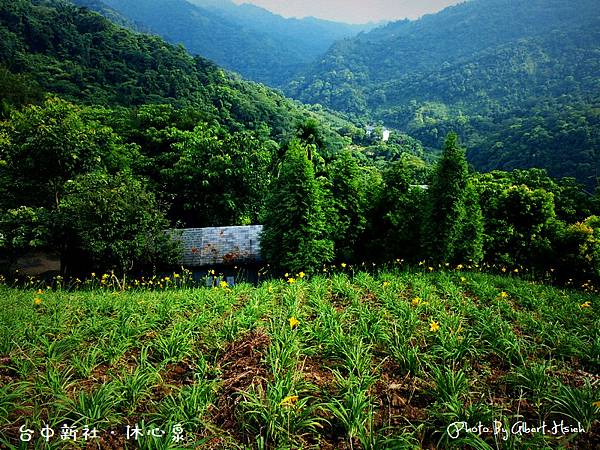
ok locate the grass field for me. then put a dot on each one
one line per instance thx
(392, 360)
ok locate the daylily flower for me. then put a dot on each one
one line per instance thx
(289, 400)
(293, 322)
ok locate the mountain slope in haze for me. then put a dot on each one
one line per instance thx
(259, 45)
(315, 36)
(110, 14)
(497, 71)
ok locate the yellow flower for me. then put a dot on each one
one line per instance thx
(270, 289)
(430, 269)
(504, 269)
(224, 284)
(416, 301)
(212, 272)
(463, 279)
(586, 305)
(286, 275)
(516, 271)
(175, 275)
(596, 404)
(293, 322)
(460, 266)
(37, 301)
(289, 400)
(386, 283)
(301, 275)
(39, 292)
(291, 280)
(502, 294)
(93, 274)
(167, 279)
(434, 326)
(343, 265)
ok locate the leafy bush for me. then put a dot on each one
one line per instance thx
(113, 222)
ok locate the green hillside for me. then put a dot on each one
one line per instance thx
(259, 45)
(85, 58)
(353, 360)
(480, 68)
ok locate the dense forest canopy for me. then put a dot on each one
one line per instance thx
(480, 68)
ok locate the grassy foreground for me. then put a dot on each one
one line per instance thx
(384, 361)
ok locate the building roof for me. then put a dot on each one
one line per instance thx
(219, 245)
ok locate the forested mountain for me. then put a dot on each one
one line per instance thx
(519, 80)
(53, 46)
(252, 41)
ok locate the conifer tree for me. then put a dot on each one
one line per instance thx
(294, 236)
(402, 219)
(347, 200)
(470, 244)
(452, 215)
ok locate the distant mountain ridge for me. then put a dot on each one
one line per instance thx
(250, 40)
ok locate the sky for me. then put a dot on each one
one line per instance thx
(353, 11)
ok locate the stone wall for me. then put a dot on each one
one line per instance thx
(219, 245)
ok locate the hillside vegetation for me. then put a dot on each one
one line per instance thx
(347, 361)
(517, 79)
(59, 48)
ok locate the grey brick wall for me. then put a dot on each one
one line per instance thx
(219, 245)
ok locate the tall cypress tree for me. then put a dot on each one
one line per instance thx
(346, 198)
(470, 243)
(448, 223)
(294, 235)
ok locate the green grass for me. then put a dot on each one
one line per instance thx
(386, 360)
